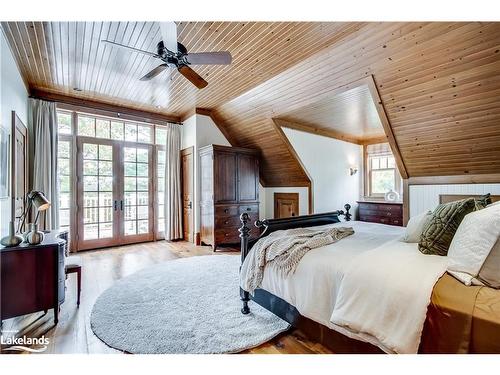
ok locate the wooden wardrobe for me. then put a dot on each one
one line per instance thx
(229, 187)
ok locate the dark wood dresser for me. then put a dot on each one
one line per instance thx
(229, 187)
(390, 213)
(32, 277)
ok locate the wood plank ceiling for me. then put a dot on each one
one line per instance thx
(350, 115)
(439, 83)
(60, 56)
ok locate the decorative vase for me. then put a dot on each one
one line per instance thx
(34, 236)
(391, 196)
(12, 239)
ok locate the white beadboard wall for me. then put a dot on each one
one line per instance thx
(426, 197)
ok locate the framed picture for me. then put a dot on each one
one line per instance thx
(4, 164)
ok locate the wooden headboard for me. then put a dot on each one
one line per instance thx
(446, 198)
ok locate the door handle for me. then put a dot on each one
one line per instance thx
(190, 205)
(121, 205)
(116, 205)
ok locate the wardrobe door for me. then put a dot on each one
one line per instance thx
(248, 178)
(225, 184)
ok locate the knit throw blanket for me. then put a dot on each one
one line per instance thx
(283, 250)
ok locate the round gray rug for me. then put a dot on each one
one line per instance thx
(188, 305)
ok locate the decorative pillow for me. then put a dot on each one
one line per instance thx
(472, 243)
(415, 227)
(494, 204)
(483, 201)
(489, 274)
(440, 229)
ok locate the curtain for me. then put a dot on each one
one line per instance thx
(173, 200)
(43, 123)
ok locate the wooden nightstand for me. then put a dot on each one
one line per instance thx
(32, 277)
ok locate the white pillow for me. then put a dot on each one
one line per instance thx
(493, 204)
(415, 227)
(472, 243)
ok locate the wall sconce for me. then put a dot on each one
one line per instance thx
(353, 170)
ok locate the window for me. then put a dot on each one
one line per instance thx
(64, 151)
(99, 127)
(161, 188)
(381, 171)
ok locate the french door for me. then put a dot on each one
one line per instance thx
(114, 193)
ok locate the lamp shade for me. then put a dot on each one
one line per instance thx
(39, 200)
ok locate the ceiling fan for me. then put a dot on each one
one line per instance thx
(174, 55)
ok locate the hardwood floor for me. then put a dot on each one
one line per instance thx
(100, 269)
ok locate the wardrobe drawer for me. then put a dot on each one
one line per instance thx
(227, 236)
(231, 222)
(252, 208)
(226, 211)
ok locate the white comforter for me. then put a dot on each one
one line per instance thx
(369, 286)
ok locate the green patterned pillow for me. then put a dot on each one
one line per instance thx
(440, 229)
(482, 201)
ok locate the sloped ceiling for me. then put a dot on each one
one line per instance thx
(439, 83)
(351, 114)
(57, 57)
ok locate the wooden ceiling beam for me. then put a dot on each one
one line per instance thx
(374, 140)
(387, 127)
(104, 108)
(318, 131)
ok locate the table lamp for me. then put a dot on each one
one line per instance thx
(39, 201)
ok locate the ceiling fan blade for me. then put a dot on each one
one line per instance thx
(209, 58)
(153, 73)
(169, 35)
(192, 76)
(131, 48)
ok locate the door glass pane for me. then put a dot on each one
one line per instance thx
(97, 191)
(136, 190)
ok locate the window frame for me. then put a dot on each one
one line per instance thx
(398, 181)
(64, 137)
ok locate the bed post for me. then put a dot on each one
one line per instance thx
(347, 207)
(244, 235)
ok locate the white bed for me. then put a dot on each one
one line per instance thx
(377, 265)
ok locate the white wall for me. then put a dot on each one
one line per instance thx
(199, 131)
(426, 197)
(13, 97)
(266, 195)
(327, 161)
